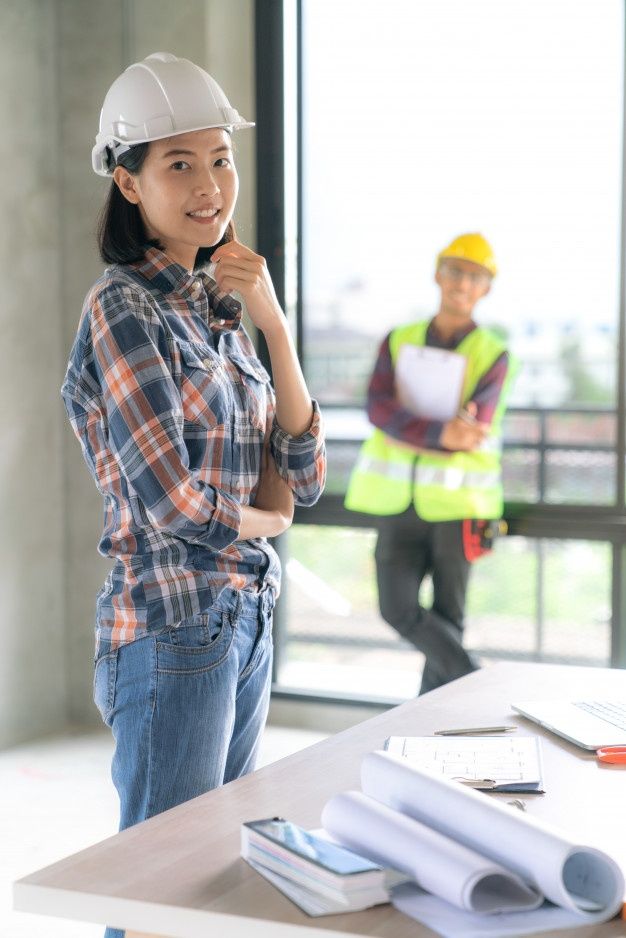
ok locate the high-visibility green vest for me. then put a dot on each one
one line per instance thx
(442, 486)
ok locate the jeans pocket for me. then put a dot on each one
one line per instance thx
(105, 674)
(195, 648)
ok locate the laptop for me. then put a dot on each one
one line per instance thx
(590, 724)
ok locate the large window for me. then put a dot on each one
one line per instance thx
(419, 121)
(424, 120)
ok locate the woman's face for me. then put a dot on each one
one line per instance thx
(186, 191)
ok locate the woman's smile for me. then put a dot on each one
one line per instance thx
(204, 216)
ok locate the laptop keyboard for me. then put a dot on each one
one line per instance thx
(609, 711)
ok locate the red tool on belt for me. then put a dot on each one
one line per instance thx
(479, 536)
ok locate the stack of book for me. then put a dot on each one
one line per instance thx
(317, 875)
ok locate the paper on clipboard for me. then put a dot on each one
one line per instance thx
(429, 381)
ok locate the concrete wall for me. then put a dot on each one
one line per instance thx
(32, 666)
(57, 59)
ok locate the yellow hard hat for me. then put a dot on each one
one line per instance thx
(471, 247)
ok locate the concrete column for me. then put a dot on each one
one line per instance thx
(57, 59)
(91, 48)
(32, 627)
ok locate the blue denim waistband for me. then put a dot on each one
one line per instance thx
(234, 602)
(244, 602)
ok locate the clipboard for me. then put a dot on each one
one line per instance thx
(429, 381)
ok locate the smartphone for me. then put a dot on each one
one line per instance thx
(315, 849)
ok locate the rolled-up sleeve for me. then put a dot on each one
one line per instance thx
(301, 460)
(143, 410)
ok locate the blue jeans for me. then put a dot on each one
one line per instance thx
(187, 707)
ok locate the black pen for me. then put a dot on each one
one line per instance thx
(475, 730)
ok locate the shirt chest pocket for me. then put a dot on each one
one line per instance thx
(204, 387)
(231, 391)
(252, 387)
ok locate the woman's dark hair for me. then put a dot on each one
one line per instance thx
(121, 233)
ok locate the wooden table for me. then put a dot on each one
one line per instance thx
(180, 874)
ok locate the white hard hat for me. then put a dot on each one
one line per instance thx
(156, 98)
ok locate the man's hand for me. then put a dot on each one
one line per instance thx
(464, 433)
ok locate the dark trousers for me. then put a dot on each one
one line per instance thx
(407, 549)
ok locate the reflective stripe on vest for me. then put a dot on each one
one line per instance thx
(452, 477)
(399, 472)
(455, 478)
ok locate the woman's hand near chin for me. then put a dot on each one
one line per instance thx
(238, 268)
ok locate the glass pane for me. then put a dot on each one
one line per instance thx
(413, 134)
(577, 605)
(532, 600)
(593, 429)
(581, 478)
(336, 640)
(542, 600)
(502, 600)
(520, 475)
(521, 426)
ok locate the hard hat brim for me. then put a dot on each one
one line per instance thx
(98, 159)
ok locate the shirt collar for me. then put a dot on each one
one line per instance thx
(166, 275)
(170, 277)
(454, 339)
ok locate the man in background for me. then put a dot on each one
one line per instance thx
(436, 485)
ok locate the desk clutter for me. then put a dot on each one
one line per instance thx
(464, 864)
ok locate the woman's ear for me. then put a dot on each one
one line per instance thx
(126, 183)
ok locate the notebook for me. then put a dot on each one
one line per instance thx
(490, 763)
(590, 724)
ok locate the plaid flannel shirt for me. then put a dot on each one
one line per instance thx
(172, 407)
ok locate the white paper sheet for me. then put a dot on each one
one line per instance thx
(455, 923)
(429, 381)
(514, 762)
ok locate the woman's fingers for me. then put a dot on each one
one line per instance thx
(235, 273)
(234, 249)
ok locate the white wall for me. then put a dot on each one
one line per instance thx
(57, 58)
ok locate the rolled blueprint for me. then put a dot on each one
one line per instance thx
(437, 863)
(573, 876)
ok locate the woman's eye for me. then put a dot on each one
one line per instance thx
(180, 165)
(223, 161)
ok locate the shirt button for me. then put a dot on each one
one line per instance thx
(207, 363)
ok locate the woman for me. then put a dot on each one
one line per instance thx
(196, 456)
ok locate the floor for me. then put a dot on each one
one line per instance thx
(57, 798)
